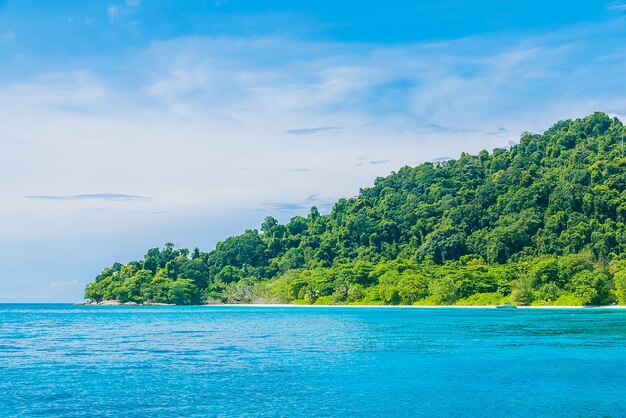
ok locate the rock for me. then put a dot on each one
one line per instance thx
(119, 303)
(110, 303)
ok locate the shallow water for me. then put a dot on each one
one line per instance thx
(62, 360)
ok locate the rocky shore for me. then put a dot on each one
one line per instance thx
(119, 303)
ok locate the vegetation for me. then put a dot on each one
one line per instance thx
(543, 222)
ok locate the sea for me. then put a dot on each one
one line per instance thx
(60, 360)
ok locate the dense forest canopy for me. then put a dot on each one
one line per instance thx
(543, 222)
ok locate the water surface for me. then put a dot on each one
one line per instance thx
(62, 360)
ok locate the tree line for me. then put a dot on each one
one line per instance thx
(542, 222)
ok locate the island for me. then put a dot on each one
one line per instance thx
(540, 223)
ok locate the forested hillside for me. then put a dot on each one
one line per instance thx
(543, 222)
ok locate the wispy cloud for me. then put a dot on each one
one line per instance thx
(286, 206)
(617, 6)
(95, 210)
(464, 87)
(113, 12)
(322, 204)
(295, 170)
(312, 131)
(370, 160)
(499, 131)
(438, 129)
(114, 197)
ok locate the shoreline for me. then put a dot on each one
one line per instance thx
(287, 305)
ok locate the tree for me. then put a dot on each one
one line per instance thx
(620, 286)
(522, 293)
(183, 292)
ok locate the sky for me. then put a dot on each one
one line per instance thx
(128, 124)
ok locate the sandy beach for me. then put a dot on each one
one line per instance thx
(295, 306)
(284, 305)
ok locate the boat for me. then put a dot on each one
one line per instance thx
(507, 305)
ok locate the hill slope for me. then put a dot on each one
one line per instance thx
(543, 222)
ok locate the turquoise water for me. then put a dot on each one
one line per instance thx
(61, 360)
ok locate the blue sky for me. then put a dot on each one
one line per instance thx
(128, 124)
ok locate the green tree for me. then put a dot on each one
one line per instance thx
(522, 293)
(184, 292)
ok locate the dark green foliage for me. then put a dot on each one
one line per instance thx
(537, 223)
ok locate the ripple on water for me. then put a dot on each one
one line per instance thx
(60, 360)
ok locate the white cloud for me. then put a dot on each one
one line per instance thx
(113, 13)
(112, 197)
